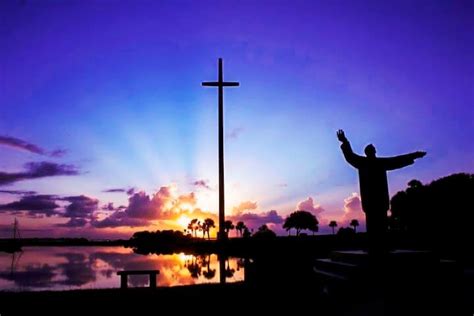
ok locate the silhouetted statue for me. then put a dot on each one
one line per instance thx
(374, 187)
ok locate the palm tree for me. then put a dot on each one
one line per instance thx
(333, 225)
(354, 223)
(240, 227)
(228, 226)
(193, 226)
(207, 225)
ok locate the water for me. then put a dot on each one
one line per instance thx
(69, 268)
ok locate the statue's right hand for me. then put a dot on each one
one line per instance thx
(419, 154)
(341, 136)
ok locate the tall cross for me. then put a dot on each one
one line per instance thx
(220, 84)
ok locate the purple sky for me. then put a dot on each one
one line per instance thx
(99, 97)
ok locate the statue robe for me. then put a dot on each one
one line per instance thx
(373, 177)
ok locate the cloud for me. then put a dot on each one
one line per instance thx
(74, 222)
(118, 190)
(80, 210)
(58, 153)
(34, 205)
(18, 192)
(110, 207)
(352, 210)
(235, 133)
(81, 206)
(118, 219)
(129, 191)
(255, 220)
(20, 144)
(202, 184)
(244, 206)
(34, 170)
(143, 208)
(309, 206)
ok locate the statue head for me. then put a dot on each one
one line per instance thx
(370, 151)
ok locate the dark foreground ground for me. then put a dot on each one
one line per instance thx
(274, 292)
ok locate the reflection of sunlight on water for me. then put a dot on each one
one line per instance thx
(64, 268)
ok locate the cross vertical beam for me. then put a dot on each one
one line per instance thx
(220, 84)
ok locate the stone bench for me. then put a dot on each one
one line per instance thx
(124, 276)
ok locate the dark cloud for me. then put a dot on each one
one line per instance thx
(118, 190)
(254, 220)
(80, 210)
(34, 204)
(108, 207)
(58, 153)
(118, 219)
(202, 184)
(235, 133)
(18, 192)
(129, 191)
(141, 205)
(20, 144)
(34, 170)
(81, 206)
(74, 222)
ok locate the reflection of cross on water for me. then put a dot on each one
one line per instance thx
(220, 84)
(15, 260)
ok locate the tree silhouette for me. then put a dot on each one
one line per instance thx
(209, 273)
(246, 233)
(240, 227)
(193, 226)
(264, 232)
(333, 225)
(229, 272)
(354, 223)
(438, 214)
(301, 220)
(314, 230)
(207, 225)
(228, 226)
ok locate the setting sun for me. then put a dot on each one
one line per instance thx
(183, 220)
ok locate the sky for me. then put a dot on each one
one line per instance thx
(105, 128)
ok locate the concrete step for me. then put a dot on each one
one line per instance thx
(326, 275)
(355, 257)
(337, 267)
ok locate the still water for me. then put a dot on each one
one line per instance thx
(68, 268)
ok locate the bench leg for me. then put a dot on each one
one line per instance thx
(152, 280)
(123, 281)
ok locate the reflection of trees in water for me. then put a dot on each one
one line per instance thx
(201, 265)
(194, 265)
(78, 268)
(209, 273)
(229, 272)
